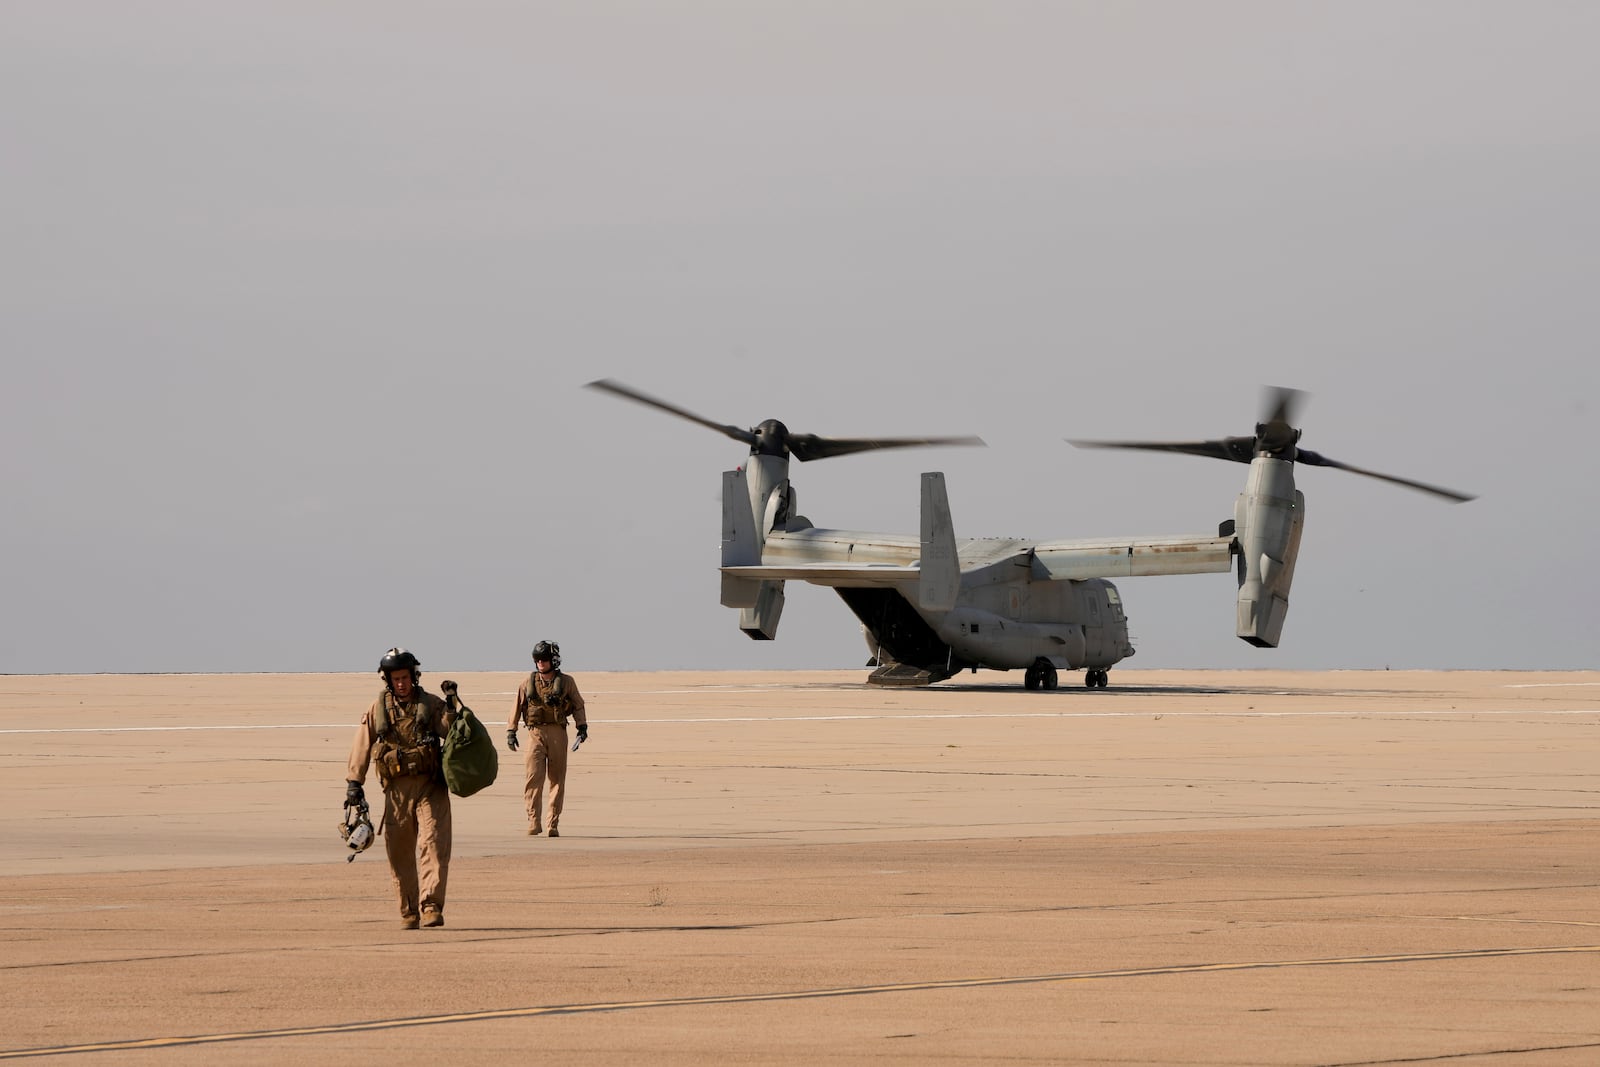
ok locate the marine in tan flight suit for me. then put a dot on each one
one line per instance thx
(400, 732)
(545, 700)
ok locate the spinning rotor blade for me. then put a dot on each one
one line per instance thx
(616, 388)
(773, 437)
(1276, 433)
(1275, 436)
(1315, 459)
(1238, 449)
(804, 446)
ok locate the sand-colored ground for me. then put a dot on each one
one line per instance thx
(1186, 868)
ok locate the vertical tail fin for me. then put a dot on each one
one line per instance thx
(740, 548)
(941, 569)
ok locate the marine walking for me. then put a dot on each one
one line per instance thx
(401, 733)
(546, 699)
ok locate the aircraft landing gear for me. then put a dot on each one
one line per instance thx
(1041, 675)
(1096, 679)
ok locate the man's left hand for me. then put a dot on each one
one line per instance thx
(583, 733)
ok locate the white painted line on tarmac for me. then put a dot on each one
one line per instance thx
(1148, 713)
(181, 729)
(1549, 685)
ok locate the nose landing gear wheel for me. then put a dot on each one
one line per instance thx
(1095, 679)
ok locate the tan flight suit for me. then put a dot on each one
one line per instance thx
(416, 806)
(546, 755)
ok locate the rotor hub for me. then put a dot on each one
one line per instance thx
(772, 439)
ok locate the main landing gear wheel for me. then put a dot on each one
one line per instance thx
(1041, 675)
(1096, 679)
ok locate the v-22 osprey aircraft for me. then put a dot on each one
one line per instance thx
(933, 605)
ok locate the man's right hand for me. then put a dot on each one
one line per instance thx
(354, 795)
(511, 740)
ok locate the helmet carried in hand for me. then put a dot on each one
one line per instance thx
(356, 829)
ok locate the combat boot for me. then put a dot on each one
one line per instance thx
(408, 922)
(432, 917)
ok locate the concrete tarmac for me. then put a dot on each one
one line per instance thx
(1190, 867)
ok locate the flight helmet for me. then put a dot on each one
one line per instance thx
(356, 829)
(396, 658)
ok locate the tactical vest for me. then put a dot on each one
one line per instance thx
(551, 710)
(406, 744)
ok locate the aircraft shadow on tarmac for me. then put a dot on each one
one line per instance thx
(1080, 692)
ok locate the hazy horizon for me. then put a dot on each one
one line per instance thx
(298, 301)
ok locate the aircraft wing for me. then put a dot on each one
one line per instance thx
(1132, 556)
(848, 575)
(1051, 561)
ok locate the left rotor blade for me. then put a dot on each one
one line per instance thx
(804, 446)
(616, 388)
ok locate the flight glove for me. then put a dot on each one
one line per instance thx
(583, 732)
(511, 740)
(354, 795)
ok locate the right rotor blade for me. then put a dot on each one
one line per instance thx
(1237, 449)
(1316, 459)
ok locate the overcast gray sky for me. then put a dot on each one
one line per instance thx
(297, 299)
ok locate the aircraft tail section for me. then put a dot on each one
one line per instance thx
(940, 580)
(760, 601)
(759, 621)
(740, 547)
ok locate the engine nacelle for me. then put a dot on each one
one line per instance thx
(1268, 518)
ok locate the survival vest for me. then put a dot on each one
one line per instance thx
(406, 744)
(550, 709)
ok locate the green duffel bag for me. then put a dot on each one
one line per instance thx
(469, 757)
